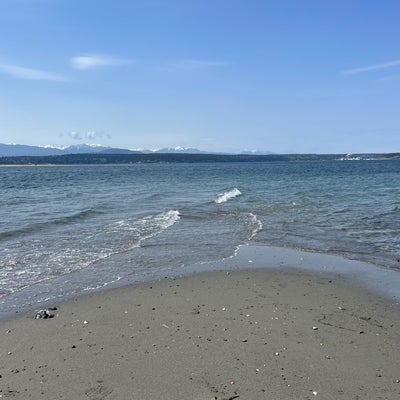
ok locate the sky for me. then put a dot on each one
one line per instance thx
(287, 76)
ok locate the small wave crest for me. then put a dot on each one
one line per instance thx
(256, 225)
(224, 197)
(63, 220)
(80, 215)
(144, 228)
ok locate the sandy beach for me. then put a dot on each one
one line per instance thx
(247, 334)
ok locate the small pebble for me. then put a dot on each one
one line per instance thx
(315, 328)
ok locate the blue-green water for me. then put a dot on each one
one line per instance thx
(68, 229)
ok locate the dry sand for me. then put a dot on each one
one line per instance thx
(250, 334)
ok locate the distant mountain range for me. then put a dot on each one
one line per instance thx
(14, 154)
(16, 150)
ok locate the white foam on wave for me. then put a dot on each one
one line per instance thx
(19, 271)
(257, 225)
(165, 220)
(148, 226)
(224, 197)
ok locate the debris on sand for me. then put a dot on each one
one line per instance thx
(44, 314)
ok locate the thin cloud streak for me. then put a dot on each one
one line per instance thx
(31, 74)
(371, 68)
(92, 61)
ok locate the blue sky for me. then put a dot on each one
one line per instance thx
(292, 76)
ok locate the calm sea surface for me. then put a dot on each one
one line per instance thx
(69, 229)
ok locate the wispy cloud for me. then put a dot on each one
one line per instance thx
(371, 68)
(31, 74)
(91, 135)
(92, 61)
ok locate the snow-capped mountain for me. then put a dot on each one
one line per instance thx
(84, 148)
(256, 152)
(191, 150)
(12, 150)
(179, 149)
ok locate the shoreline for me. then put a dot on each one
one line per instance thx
(244, 333)
(380, 281)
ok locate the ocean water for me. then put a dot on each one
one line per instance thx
(66, 230)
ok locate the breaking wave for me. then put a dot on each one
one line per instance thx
(224, 197)
(76, 249)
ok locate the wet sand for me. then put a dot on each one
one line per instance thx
(246, 334)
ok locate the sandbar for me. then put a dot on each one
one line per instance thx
(222, 335)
